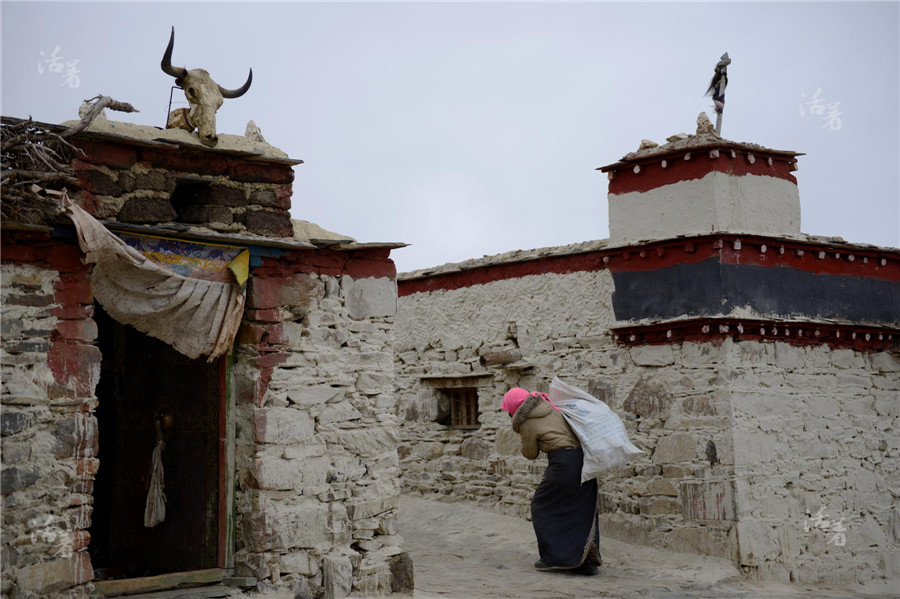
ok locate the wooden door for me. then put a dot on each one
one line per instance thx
(150, 381)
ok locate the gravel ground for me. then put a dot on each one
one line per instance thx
(461, 551)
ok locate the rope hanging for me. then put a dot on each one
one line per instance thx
(155, 512)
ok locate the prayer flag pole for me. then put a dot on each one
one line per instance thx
(717, 89)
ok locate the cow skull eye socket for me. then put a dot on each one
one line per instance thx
(191, 92)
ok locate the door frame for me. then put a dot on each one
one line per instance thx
(226, 463)
(225, 517)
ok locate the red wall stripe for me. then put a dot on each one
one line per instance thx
(821, 260)
(731, 249)
(652, 175)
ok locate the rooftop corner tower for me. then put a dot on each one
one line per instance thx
(700, 184)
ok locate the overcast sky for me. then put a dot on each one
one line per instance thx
(468, 129)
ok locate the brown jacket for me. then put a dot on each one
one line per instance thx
(542, 428)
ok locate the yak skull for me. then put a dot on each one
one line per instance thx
(203, 95)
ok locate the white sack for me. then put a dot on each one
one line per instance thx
(599, 429)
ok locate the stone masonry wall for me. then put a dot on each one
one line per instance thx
(818, 459)
(443, 333)
(316, 443)
(142, 185)
(670, 412)
(689, 405)
(50, 367)
(317, 466)
(310, 385)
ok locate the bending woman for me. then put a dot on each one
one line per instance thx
(563, 511)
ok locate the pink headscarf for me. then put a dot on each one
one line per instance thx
(516, 396)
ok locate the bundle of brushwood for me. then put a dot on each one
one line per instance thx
(36, 164)
(35, 168)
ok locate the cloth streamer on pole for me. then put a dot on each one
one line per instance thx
(717, 89)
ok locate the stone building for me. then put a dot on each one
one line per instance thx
(756, 366)
(277, 441)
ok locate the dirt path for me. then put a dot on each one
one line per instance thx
(461, 551)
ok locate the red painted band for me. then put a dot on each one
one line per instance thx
(779, 252)
(652, 175)
(818, 259)
(358, 264)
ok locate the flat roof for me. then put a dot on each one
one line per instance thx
(170, 139)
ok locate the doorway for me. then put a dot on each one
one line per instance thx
(144, 381)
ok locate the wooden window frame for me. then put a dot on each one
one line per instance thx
(463, 407)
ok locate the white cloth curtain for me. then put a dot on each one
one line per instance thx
(194, 316)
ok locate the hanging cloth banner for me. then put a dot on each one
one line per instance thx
(223, 263)
(194, 315)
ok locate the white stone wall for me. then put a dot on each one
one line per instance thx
(545, 309)
(816, 434)
(707, 482)
(313, 462)
(756, 204)
(443, 333)
(317, 465)
(49, 434)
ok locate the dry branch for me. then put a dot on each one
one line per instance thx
(99, 103)
(33, 162)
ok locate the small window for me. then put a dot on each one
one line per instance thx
(452, 400)
(460, 407)
(190, 201)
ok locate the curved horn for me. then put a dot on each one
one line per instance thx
(166, 64)
(237, 93)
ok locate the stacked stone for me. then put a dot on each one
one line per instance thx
(440, 334)
(495, 474)
(317, 466)
(49, 434)
(674, 404)
(150, 186)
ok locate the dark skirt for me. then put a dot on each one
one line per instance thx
(564, 513)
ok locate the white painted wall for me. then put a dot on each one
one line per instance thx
(718, 202)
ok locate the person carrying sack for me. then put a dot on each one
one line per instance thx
(563, 509)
